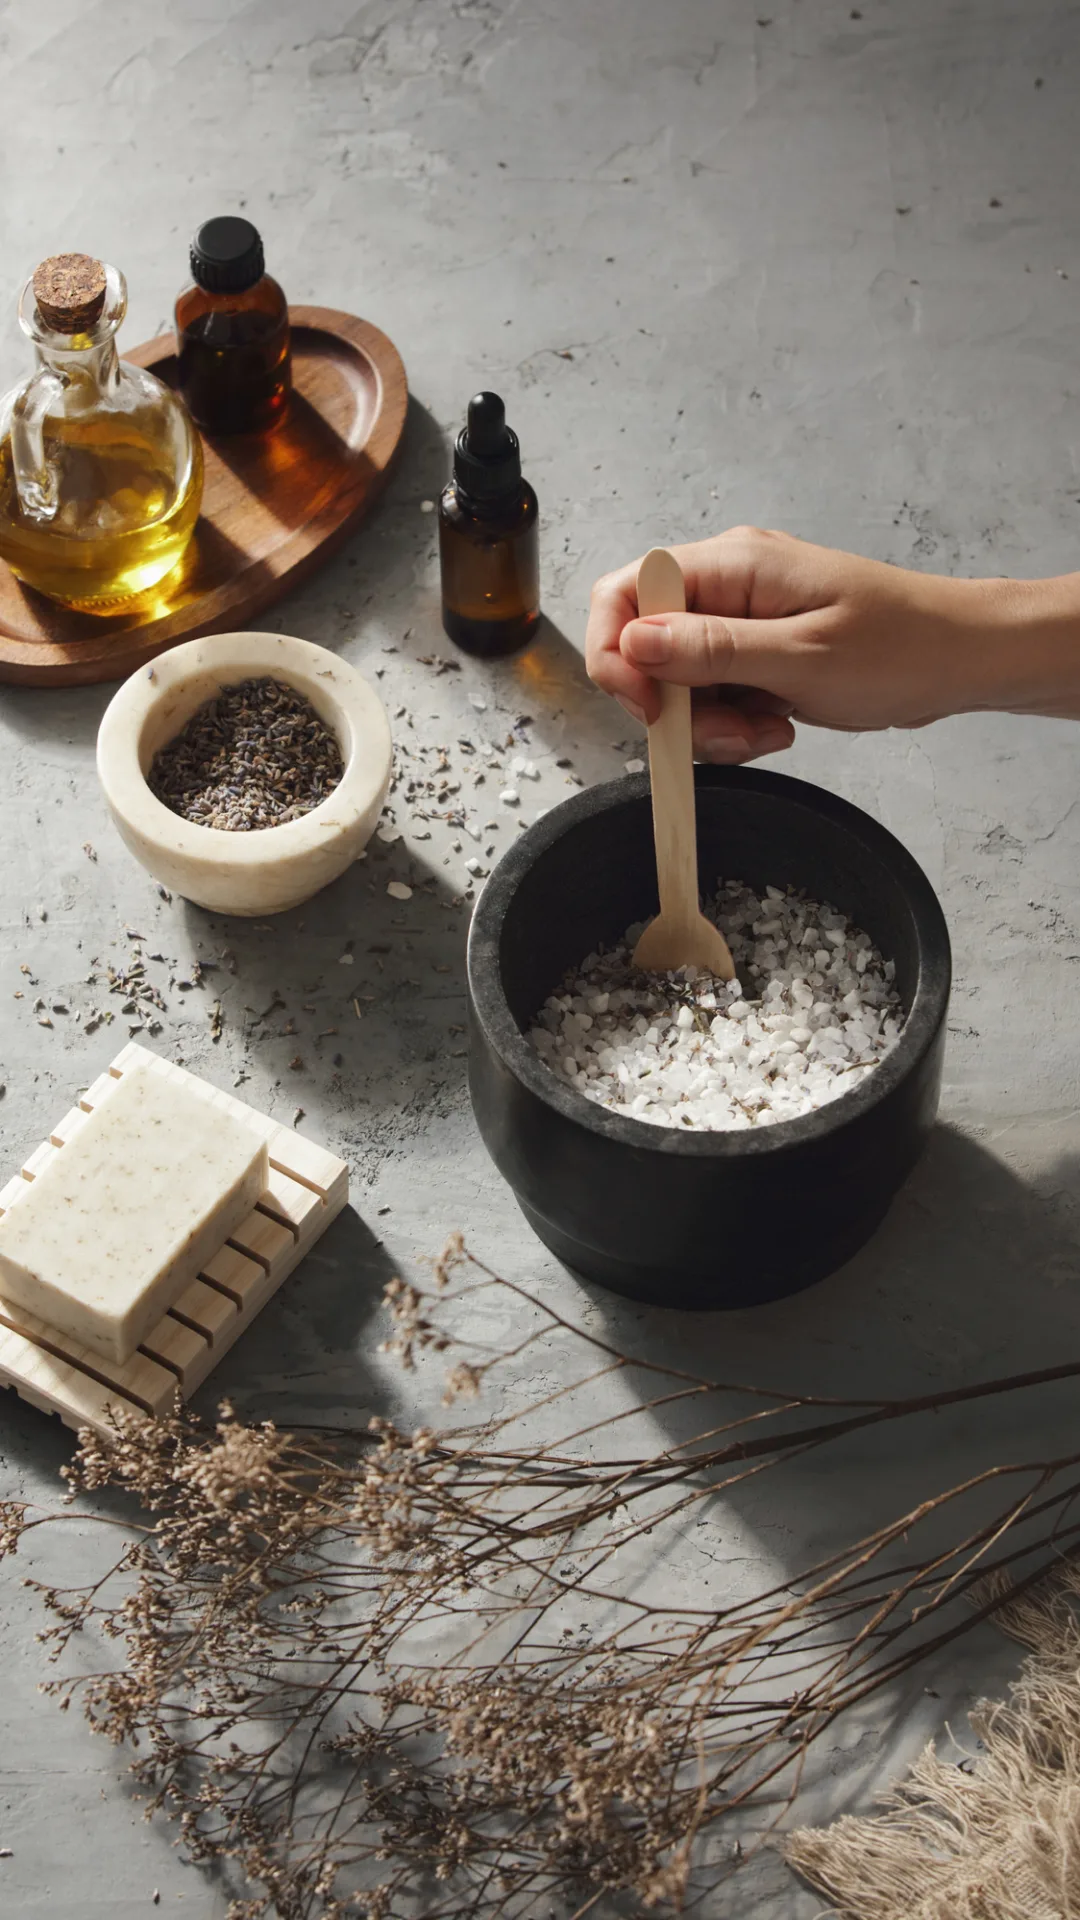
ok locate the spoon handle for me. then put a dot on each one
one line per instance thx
(661, 589)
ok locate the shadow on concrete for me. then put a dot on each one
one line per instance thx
(380, 564)
(42, 715)
(975, 1271)
(974, 1276)
(569, 715)
(383, 547)
(305, 1360)
(353, 984)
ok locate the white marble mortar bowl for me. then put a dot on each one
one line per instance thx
(267, 869)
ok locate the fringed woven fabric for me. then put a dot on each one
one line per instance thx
(998, 1840)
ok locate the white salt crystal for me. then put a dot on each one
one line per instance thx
(480, 705)
(808, 1027)
(398, 890)
(634, 766)
(510, 797)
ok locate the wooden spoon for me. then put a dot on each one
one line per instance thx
(680, 936)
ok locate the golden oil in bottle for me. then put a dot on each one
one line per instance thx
(100, 467)
(122, 524)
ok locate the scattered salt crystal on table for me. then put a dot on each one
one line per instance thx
(398, 890)
(510, 797)
(634, 766)
(818, 1013)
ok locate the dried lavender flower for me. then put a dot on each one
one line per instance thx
(257, 755)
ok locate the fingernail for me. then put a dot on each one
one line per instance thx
(726, 733)
(631, 707)
(776, 742)
(650, 641)
(761, 743)
(721, 746)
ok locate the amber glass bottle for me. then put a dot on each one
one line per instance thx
(487, 538)
(232, 332)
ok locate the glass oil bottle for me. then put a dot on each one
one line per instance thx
(101, 469)
(488, 549)
(232, 332)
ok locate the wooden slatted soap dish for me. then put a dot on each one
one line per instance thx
(307, 1189)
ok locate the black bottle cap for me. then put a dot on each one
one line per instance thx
(487, 458)
(227, 255)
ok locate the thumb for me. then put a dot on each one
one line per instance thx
(710, 650)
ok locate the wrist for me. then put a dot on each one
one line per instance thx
(1017, 644)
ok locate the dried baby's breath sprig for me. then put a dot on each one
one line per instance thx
(393, 1673)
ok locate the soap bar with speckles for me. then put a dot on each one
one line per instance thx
(114, 1228)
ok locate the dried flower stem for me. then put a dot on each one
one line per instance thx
(385, 1673)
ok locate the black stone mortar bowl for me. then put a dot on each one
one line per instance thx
(687, 1219)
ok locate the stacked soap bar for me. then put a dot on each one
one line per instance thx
(115, 1227)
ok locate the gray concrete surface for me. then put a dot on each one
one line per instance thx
(723, 268)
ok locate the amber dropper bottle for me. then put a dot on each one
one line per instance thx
(487, 538)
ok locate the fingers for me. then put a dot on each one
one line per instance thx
(614, 602)
(728, 574)
(706, 650)
(639, 696)
(728, 735)
(758, 594)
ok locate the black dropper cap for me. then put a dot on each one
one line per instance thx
(227, 255)
(487, 458)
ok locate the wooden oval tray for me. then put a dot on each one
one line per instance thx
(274, 507)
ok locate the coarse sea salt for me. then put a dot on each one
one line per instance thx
(814, 1011)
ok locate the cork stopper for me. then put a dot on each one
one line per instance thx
(70, 292)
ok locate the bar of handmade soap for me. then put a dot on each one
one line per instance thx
(121, 1220)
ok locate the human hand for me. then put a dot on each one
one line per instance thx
(782, 631)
